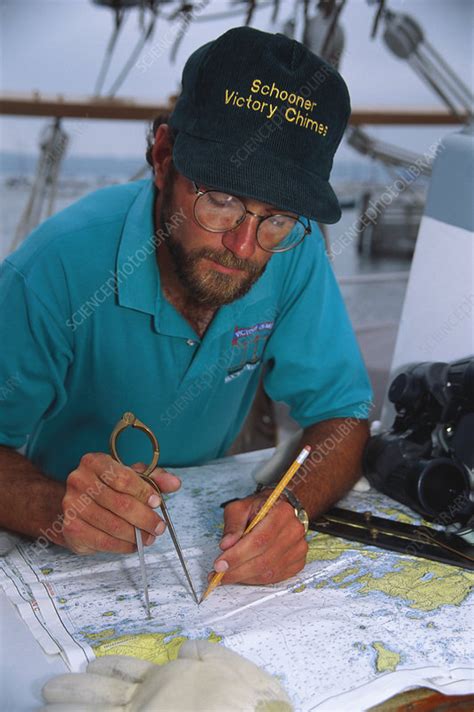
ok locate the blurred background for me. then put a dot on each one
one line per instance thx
(68, 64)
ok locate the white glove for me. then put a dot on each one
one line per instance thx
(206, 677)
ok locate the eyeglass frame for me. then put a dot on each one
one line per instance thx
(200, 193)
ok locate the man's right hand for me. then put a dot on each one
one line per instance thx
(105, 501)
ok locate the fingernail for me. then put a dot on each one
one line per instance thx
(150, 540)
(154, 501)
(221, 566)
(160, 528)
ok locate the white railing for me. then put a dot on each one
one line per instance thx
(373, 278)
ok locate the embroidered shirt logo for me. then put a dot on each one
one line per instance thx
(241, 333)
(249, 343)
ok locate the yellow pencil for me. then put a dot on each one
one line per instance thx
(289, 474)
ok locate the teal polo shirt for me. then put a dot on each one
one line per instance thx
(86, 334)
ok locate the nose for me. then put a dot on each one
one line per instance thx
(242, 241)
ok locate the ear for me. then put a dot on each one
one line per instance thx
(162, 154)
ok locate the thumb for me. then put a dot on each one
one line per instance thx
(139, 467)
(166, 481)
(236, 516)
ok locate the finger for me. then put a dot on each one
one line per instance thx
(271, 567)
(131, 510)
(280, 528)
(139, 467)
(228, 540)
(110, 523)
(82, 538)
(166, 481)
(84, 487)
(236, 516)
(155, 499)
(266, 575)
(116, 476)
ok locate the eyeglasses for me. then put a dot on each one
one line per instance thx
(220, 212)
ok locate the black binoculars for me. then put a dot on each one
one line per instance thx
(426, 460)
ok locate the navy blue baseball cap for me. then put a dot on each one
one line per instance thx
(261, 116)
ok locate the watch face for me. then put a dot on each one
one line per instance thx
(303, 517)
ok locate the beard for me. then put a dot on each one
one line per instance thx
(207, 287)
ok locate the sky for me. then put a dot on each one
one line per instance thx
(57, 46)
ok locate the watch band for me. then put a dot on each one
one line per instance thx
(300, 511)
(292, 499)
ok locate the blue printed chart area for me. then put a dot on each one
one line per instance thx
(356, 626)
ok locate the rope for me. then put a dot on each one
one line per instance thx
(147, 34)
(119, 16)
(53, 145)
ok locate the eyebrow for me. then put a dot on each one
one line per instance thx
(269, 211)
(281, 211)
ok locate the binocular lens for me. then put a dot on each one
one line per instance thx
(440, 483)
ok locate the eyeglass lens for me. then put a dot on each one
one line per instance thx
(220, 212)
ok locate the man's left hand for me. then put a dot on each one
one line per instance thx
(273, 551)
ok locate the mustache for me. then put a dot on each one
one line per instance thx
(227, 259)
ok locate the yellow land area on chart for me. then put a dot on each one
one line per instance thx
(324, 547)
(386, 660)
(425, 585)
(159, 648)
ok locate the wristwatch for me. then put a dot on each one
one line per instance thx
(300, 512)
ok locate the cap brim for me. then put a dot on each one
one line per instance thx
(258, 175)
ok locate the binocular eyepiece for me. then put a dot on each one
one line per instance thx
(442, 383)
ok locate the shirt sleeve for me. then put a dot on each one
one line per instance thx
(314, 364)
(35, 354)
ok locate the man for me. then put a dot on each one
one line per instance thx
(167, 296)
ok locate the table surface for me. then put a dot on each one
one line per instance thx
(25, 667)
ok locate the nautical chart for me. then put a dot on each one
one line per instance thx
(356, 618)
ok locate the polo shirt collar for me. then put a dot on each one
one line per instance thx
(137, 271)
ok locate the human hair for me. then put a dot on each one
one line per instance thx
(151, 133)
